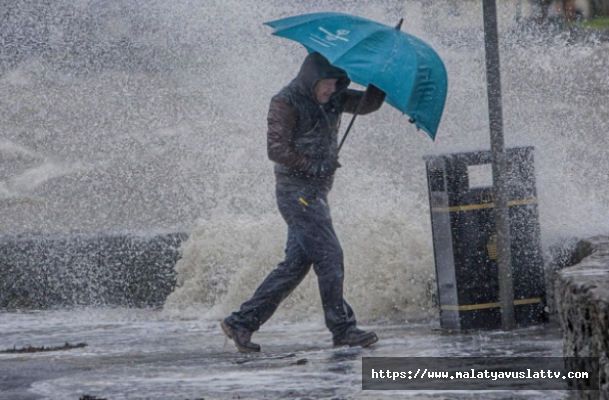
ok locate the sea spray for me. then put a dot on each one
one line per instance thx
(387, 269)
(129, 116)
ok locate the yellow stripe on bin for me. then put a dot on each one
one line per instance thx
(521, 302)
(471, 207)
(482, 306)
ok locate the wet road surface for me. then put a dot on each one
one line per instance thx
(142, 354)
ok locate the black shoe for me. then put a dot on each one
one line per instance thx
(357, 337)
(241, 337)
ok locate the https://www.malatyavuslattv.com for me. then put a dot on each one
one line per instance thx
(473, 374)
(482, 373)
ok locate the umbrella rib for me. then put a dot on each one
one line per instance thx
(311, 18)
(381, 68)
(344, 54)
(396, 45)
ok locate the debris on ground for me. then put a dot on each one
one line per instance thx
(31, 349)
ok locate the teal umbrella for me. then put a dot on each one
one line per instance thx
(403, 66)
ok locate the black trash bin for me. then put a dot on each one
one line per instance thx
(465, 239)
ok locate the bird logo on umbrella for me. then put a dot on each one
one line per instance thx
(330, 37)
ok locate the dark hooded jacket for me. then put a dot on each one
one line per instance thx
(302, 131)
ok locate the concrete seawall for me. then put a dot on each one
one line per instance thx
(582, 301)
(100, 269)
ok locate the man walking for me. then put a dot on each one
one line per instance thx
(302, 140)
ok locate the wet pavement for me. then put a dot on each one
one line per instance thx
(145, 354)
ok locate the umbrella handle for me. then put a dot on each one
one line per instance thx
(359, 107)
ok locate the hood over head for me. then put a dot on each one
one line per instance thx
(315, 68)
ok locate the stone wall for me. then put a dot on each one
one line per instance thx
(558, 256)
(582, 300)
(84, 269)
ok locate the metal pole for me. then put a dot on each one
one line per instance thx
(502, 221)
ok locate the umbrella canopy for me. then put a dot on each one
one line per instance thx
(403, 66)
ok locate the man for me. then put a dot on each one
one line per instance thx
(302, 140)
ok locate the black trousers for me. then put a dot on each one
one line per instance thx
(311, 242)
